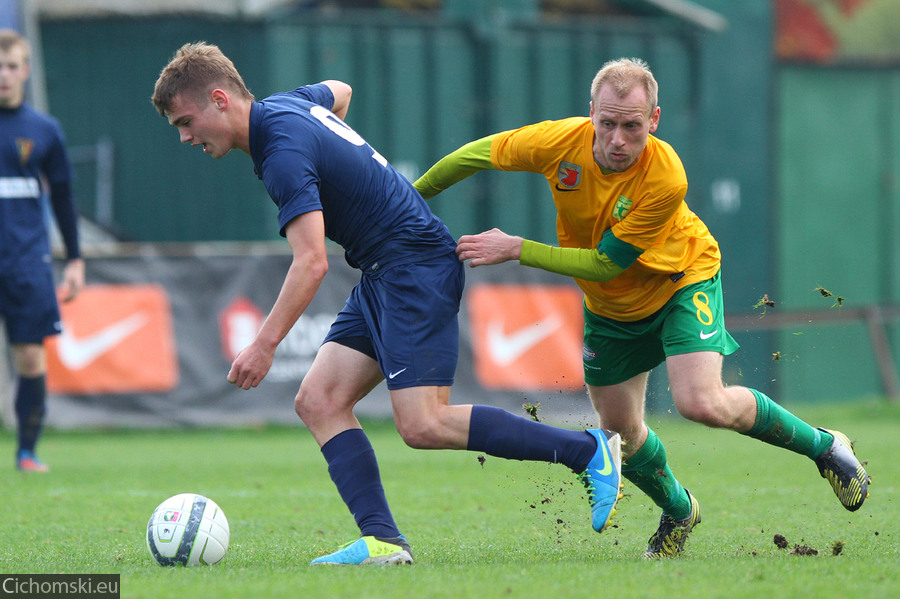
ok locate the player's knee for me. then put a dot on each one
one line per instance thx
(310, 405)
(696, 412)
(301, 405)
(420, 433)
(29, 360)
(703, 409)
(415, 436)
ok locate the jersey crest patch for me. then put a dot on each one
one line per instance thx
(24, 147)
(569, 175)
(623, 205)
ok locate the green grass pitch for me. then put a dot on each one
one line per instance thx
(497, 529)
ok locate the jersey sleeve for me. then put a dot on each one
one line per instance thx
(57, 167)
(317, 93)
(293, 184)
(454, 167)
(58, 170)
(581, 263)
(518, 149)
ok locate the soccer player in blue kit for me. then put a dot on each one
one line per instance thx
(400, 321)
(32, 149)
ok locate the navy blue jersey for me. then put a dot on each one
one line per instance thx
(309, 159)
(31, 146)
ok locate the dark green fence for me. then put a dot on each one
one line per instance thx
(422, 87)
(839, 227)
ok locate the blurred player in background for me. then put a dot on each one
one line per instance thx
(32, 153)
(649, 269)
(400, 321)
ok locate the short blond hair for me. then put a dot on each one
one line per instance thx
(196, 69)
(10, 38)
(623, 75)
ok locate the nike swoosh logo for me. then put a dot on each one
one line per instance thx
(607, 463)
(565, 188)
(393, 374)
(77, 352)
(706, 336)
(505, 349)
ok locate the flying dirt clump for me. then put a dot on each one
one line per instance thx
(804, 550)
(781, 542)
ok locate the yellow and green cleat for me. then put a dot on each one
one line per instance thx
(669, 538)
(840, 467)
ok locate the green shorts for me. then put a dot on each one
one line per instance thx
(692, 320)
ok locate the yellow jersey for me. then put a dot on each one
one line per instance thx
(643, 207)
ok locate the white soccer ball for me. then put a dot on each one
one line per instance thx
(188, 529)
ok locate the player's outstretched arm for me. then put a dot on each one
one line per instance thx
(588, 264)
(495, 247)
(454, 167)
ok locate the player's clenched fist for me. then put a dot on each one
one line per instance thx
(250, 367)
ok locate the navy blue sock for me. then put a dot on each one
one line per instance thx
(354, 470)
(31, 405)
(504, 435)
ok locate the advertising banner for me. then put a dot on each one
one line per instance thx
(837, 31)
(151, 339)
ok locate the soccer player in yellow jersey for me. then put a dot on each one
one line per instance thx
(649, 269)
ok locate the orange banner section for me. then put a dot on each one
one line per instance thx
(527, 337)
(115, 339)
(239, 323)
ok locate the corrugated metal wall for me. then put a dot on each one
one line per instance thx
(100, 76)
(421, 89)
(839, 221)
(425, 86)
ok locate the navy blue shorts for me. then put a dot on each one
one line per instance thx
(28, 303)
(406, 318)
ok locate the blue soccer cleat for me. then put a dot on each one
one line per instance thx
(603, 477)
(369, 551)
(26, 461)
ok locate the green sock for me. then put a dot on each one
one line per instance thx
(776, 426)
(648, 470)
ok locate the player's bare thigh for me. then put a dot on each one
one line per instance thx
(699, 394)
(338, 378)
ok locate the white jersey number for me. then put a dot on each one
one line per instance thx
(330, 120)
